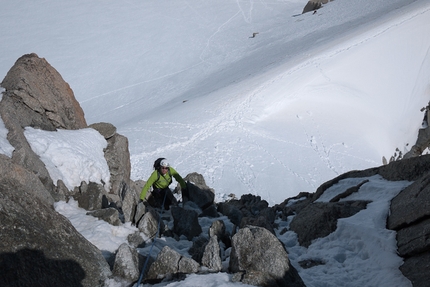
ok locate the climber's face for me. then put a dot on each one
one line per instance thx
(164, 170)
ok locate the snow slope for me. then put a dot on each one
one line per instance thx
(310, 97)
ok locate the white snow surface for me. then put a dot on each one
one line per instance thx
(308, 98)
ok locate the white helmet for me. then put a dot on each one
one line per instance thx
(164, 163)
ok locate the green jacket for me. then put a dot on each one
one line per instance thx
(162, 181)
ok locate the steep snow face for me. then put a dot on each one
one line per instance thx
(309, 97)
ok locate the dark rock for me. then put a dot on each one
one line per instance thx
(351, 174)
(305, 264)
(411, 205)
(414, 239)
(407, 169)
(416, 269)
(185, 222)
(319, 219)
(202, 197)
(210, 211)
(230, 210)
(37, 243)
(349, 191)
(314, 5)
(197, 249)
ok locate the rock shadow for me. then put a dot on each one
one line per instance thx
(29, 267)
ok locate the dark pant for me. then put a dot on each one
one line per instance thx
(158, 195)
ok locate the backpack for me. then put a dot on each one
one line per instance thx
(157, 163)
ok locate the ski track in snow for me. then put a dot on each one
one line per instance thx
(231, 120)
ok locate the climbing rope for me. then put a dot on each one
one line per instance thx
(153, 242)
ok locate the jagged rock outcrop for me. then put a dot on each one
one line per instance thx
(423, 138)
(261, 259)
(320, 219)
(117, 156)
(200, 194)
(409, 213)
(410, 217)
(212, 255)
(249, 210)
(37, 96)
(36, 243)
(207, 251)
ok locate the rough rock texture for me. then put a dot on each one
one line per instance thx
(127, 264)
(320, 219)
(255, 249)
(36, 243)
(129, 200)
(410, 217)
(203, 197)
(169, 263)
(185, 222)
(36, 96)
(90, 196)
(34, 86)
(110, 215)
(118, 158)
(249, 210)
(211, 255)
(148, 225)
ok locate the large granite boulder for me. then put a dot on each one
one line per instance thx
(261, 259)
(37, 244)
(36, 96)
(39, 97)
(170, 263)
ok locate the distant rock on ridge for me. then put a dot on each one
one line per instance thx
(314, 5)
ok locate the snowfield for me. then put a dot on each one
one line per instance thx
(309, 97)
